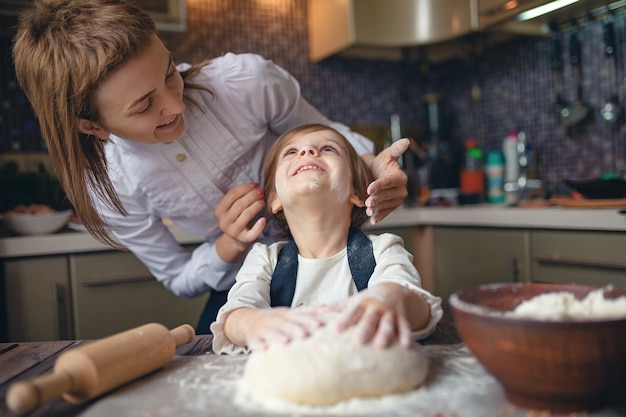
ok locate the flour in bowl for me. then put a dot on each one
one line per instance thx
(563, 305)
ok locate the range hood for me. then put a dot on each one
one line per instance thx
(379, 29)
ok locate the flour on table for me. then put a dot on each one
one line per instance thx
(328, 367)
(563, 305)
(208, 385)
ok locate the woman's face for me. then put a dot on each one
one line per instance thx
(142, 100)
(313, 163)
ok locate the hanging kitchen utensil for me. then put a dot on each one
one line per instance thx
(611, 111)
(579, 111)
(560, 106)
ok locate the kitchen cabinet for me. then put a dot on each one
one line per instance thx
(38, 299)
(418, 241)
(113, 291)
(88, 296)
(465, 257)
(584, 257)
(452, 258)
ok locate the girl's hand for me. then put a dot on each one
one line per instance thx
(378, 315)
(388, 191)
(235, 213)
(279, 325)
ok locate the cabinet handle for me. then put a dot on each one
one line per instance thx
(513, 272)
(579, 262)
(57, 304)
(101, 282)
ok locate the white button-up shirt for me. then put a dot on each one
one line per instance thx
(225, 144)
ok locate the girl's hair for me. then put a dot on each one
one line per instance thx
(63, 50)
(361, 174)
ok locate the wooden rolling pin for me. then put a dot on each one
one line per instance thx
(88, 371)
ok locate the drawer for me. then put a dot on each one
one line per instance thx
(595, 258)
(114, 291)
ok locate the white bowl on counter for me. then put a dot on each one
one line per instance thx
(37, 224)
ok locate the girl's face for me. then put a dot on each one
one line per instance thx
(141, 101)
(313, 163)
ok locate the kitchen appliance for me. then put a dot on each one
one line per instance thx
(384, 29)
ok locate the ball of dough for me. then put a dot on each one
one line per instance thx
(328, 367)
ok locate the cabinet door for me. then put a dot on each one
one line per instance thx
(468, 257)
(595, 258)
(114, 291)
(38, 299)
(418, 240)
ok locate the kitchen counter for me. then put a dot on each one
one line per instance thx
(69, 241)
(486, 215)
(23, 361)
(497, 216)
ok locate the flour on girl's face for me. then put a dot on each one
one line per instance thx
(338, 184)
(341, 184)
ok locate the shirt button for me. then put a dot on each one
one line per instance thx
(181, 157)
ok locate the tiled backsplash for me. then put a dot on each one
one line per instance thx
(516, 81)
(19, 130)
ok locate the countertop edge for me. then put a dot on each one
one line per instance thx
(506, 217)
(493, 216)
(68, 242)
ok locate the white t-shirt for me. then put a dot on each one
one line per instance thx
(320, 282)
(225, 144)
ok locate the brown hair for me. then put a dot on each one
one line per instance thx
(63, 50)
(361, 174)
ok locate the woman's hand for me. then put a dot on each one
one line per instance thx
(260, 328)
(379, 315)
(235, 212)
(388, 191)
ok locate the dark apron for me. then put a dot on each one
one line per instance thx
(360, 259)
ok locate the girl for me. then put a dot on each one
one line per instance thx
(316, 189)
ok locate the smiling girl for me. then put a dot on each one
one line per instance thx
(315, 188)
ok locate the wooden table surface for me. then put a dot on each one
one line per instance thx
(24, 361)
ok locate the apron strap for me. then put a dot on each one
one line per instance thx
(360, 260)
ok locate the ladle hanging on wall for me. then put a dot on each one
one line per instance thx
(576, 113)
(561, 106)
(611, 111)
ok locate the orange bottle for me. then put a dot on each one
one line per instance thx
(472, 184)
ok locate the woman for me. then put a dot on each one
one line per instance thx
(135, 138)
(316, 189)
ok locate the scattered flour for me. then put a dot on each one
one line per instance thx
(563, 305)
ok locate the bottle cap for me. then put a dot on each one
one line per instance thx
(494, 157)
(471, 143)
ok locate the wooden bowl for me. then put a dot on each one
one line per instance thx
(559, 366)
